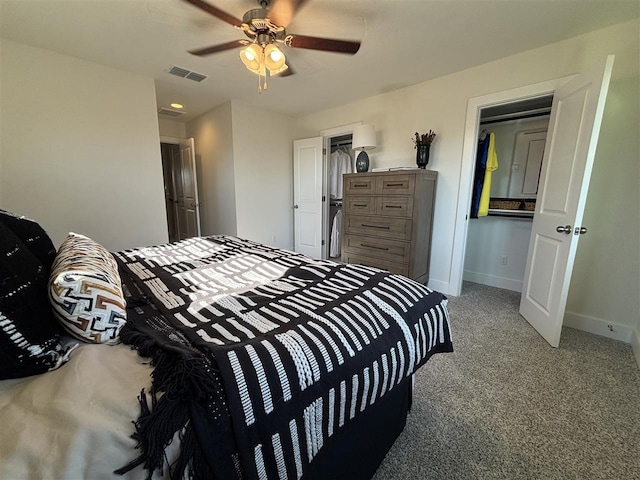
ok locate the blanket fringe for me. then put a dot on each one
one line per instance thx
(178, 380)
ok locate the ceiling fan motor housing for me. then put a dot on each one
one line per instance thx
(256, 25)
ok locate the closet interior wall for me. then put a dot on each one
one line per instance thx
(497, 246)
(340, 161)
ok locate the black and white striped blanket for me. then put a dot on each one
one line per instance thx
(302, 346)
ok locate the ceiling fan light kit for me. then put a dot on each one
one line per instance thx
(259, 60)
(265, 27)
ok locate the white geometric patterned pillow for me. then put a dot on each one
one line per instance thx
(85, 291)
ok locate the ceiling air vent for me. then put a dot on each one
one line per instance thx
(170, 113)
(184, 73)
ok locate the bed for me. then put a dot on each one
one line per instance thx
(211, 357)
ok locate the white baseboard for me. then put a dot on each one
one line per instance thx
(599, 326)
(440, 286)
(493, 280)
(635, 345)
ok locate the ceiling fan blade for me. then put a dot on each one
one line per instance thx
(216, 12)
(326, 44)
(282, 11)
(218, 48)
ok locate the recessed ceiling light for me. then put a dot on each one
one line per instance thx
(177, 105)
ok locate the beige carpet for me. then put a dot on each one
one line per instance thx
(506, 405)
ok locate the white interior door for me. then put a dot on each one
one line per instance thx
(188, 203)
(574, 125)
(307, 196)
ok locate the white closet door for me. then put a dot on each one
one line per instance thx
(307, 196)
(574, 126)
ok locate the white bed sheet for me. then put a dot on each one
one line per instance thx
(74, 422)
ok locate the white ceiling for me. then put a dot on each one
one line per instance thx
(403, 42)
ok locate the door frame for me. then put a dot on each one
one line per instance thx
(471, 132)
(181, 142)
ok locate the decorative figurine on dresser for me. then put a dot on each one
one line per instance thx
(387, 220)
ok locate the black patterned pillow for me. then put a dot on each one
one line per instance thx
(29, 335)
(85, 291)
(32, 235)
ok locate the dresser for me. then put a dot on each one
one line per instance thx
(387, 220)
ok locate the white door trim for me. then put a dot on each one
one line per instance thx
(172, 140)
(337, 131)
(474, 106)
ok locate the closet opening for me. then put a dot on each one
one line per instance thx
(180, 187)
(511, 143)
(340, 160)
(170, 171)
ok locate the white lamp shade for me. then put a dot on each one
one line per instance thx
(364, 137)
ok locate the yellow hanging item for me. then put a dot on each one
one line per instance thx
(492, 165)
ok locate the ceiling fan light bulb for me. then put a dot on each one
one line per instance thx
(274, 58)
(275, 55)
(250, 56)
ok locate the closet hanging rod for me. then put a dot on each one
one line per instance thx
(343, 143)
(515, 116)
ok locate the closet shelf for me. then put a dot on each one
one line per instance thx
(498, 212)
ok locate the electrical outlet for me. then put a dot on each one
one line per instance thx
(503, 260)
(273, 239)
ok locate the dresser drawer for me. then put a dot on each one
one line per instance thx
(383, 248)
(391, 266)
(359, 205)
(387, 227)
(397, 184)
(359, 185)
(394, 206)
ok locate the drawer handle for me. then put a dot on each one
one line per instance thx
(393, 206)
(383, 227)
(358, 185)
(359, 204)
(373, 246)
(394, 185)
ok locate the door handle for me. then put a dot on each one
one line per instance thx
(566, 229)
(295, 206)
(580, 230)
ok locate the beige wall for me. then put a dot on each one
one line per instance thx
(172, 128)
(606, 280)
(213, 137)
(245, 171)
(262, 148)
(79, 148)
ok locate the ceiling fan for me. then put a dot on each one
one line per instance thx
(265, 28)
